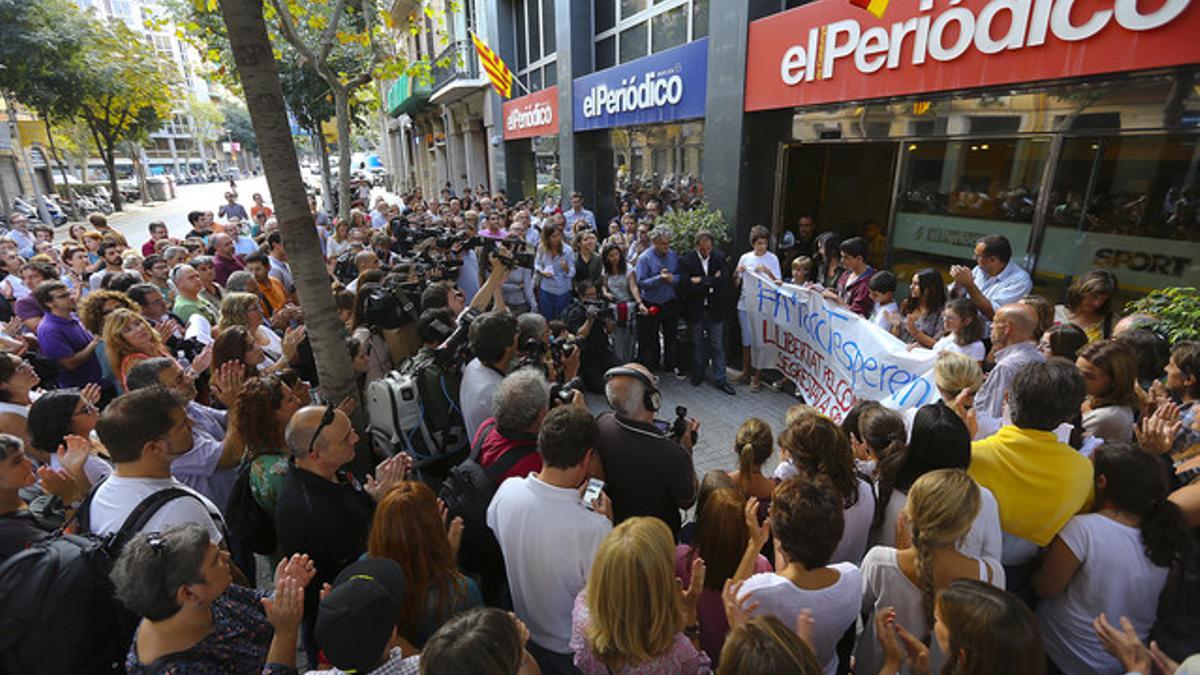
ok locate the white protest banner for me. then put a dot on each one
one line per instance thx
(834, 356)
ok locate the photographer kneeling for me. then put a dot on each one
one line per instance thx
(590, 318)
(647, 472)
(557, 360)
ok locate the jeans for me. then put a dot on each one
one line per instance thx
(708, 344)
(552, 305)
(648, 329)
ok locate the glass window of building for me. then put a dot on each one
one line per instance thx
(1128, 204)
(630, 29)
(533, 22)
(658, 156)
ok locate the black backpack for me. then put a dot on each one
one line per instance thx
(249, 525)
(468, 491)
(58, 613)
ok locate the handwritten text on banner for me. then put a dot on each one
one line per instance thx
(834, 356)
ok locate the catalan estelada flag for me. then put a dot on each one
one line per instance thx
(876, 7)
(493, 65)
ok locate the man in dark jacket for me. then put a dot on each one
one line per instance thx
(705, 285)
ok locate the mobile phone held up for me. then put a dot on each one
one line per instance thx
(592, 493)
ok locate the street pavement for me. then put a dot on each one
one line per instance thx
(719, 413)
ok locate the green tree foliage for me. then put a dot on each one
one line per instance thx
(127, 94)
(43, 49)
(1177, 308)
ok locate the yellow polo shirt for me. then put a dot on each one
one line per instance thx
(1039, 482)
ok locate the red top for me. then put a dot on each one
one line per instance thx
(496, 444)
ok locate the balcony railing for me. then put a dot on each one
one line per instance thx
(455, 61)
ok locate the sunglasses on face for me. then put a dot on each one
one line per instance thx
(326, 420)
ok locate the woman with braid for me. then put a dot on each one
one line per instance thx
(941, 506)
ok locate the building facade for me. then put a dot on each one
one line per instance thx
(438, 126)
(1072, 129)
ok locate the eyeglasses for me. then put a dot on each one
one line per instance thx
(326, 420)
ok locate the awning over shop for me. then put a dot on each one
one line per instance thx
(406, 95)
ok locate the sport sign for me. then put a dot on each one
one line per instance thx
(830, 50)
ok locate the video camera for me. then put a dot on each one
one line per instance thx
(562, 393)
(677, 427)
(455, 351)
(599, 308)
(520, 253)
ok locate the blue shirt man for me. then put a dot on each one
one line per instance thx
(657, 271)
(577, 213)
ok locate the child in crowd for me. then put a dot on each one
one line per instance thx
(802, 267)
(964, 330)
(882, 290)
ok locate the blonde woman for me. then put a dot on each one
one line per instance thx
(631, 618)
(957, 378)
(244, 309)
(129, 338)
(939, 512)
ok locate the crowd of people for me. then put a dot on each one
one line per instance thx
(162, 402)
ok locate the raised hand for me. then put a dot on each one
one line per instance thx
(59, 483)
(227, 382)
(291, 342)
(758, 533)
(389, 473)
(299, 567)
(74, 453)
(1123, 644)
(737, 612)
(203, 360)
(166, 328)
(348, 405)
(691, 594)
(1156, 434)
(285, 609)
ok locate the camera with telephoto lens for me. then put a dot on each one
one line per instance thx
(519, 253)
(599, 308)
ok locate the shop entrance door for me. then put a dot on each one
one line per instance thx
(844, 186)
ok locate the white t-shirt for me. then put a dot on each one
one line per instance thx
(857, 526)
(1114, 577)
(974, 350)
(549, 539)
(834, 608)
(478, 384)
(751, 262)
(117, 497)
(884, 585)
(879, 315)
(984, 540)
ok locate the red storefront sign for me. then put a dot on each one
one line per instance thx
(831, 50)
(532, 115)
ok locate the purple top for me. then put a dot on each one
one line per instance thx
(60, 338)
(711, 610)
(223, 267)
(682, 658)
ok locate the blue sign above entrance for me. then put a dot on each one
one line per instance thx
(662, 87)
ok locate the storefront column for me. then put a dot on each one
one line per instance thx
(740, 151)
(585, 159)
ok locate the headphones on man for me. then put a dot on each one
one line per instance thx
(651, 396)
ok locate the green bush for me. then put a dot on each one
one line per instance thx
(1178, 310)
(685, 224)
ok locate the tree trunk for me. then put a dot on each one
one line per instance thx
(66, 191)
(110, 163)
(341, 101)
(264, 97)
(326, 178)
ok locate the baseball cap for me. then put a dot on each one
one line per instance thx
(356, 619)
